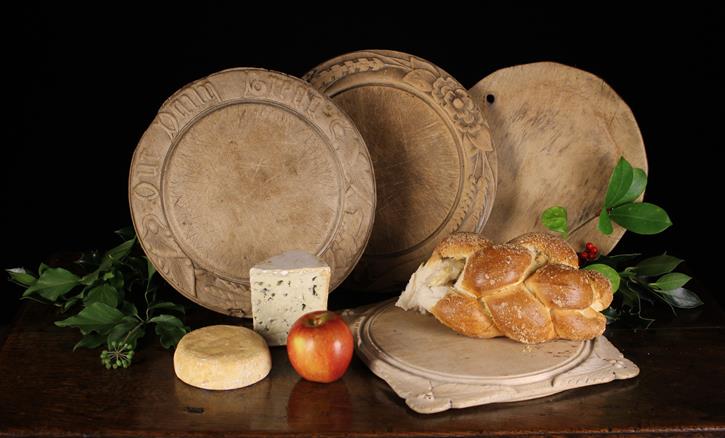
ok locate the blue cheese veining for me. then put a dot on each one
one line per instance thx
(284, 288)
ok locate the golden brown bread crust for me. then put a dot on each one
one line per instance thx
(578, 325)
(520, 316)
(461, 245)
(529, 289)
(561, 286)
(464, 315)
(492, 268)
(555, 249)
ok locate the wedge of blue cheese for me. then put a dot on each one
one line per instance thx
(284, 288)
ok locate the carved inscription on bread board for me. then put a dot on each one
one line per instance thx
(435, 369)
(431, 150)
(559, 132)
(242, 165)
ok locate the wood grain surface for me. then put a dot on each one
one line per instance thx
(435, 369)
(431, 150)
(47, 390)
(559, 132)
(243, 165)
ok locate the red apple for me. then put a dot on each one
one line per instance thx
(320, 346)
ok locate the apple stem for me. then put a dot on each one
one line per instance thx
(320, 319)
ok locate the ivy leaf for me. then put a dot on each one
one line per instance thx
(53, 283)
(126, 233)
(555, 219)
(104, 293)
(169, 328)
(608, 272)
(122, 328)
(619, 183)
(21, 276)
(670, 281)
(605, 223)
(116, 254)
(90, 340)
(617, 260)
(657, 265)
(166, 305)
(681, 298)
(150, 269)
(641, 218)
(128, 308)
(639, 182)
(98, 317)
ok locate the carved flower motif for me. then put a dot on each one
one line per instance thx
(467, 117)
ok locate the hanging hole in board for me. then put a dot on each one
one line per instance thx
(490, 98)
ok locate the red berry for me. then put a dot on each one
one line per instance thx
(594, 251)
(589, 246)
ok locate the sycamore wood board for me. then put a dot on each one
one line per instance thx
(435, 369)
(242, 165)
(431, 150)
(559, 132)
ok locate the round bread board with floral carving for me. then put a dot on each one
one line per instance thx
(434, 161)
(240, 166)
(559, 132)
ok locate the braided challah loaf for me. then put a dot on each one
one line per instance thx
(529, 289)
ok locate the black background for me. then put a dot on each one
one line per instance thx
(90, 81)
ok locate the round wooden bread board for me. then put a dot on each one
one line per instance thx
(431, 150)
(559, 132)
(240, 166)
(435, 369)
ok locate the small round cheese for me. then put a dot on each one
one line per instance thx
(222, 357)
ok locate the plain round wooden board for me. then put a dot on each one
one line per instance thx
(420, 345)
(431, 150)
(559, 132)
(240, 166)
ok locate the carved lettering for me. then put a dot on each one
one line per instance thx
(185, 104)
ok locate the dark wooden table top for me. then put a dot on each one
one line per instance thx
(45, 389)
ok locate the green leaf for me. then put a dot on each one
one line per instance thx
(605, 223)
(134, 336)
(658, 265)
(72, 301)
(639, 182)
(168, 305)
(642, 218)
(619, 183)
(42, 268)
(53, 283)
(167, 319)
(670, 281)
(104, 293)
(89, 279)
(169, 328)
(98, 317)
(91, 340)
(116, 254)
(150, 269)
(21, 276)
(555, 219)
(120, 330)
(630, 297)
(128, 308)
(126, 233)
(608, 272)
(681, 298)
(618, 260)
